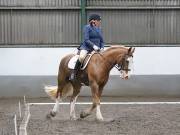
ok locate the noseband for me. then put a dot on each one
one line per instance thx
(121, 67)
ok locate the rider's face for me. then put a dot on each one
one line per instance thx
(97, 23)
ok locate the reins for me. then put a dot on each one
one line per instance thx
(110, 63)
(117, 66)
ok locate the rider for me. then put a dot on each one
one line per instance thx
(92, 41)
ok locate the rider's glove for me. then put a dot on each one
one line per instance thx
(96, 48)
(102, 49)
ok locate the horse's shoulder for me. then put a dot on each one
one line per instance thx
(96, 58)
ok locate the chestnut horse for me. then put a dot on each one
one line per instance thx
(95, 75)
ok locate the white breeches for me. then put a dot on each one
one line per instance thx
(82, 55)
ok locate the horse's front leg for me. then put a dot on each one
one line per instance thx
(96, 93)
(88, 111)
(96, 100)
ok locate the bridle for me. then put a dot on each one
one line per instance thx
(122, 66)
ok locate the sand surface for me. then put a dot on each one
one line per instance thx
(119, 119)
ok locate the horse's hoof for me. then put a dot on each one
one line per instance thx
(48, 116)
(73, 118)
(83, 114)
(99, 119)
(52, 114)
(79, 119)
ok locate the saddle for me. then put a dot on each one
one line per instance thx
(73, 60)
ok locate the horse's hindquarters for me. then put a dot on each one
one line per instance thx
(67, 90)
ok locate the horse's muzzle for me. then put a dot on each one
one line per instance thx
(124, 75)
(126, 78)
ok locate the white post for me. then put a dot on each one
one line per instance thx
(24, 123)
(15, 124)
(19, 109)
(24, 100)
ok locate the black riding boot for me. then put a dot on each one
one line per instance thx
(76, 69)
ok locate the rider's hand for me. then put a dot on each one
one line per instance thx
(102, 49)
(96, 48)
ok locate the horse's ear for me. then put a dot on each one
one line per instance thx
(131, 50)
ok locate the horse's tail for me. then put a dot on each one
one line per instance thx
(52, 90)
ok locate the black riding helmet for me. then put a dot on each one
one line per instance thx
(94, 17)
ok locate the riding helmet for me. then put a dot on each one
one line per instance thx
(94, 17)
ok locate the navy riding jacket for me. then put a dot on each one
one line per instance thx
(91, 36)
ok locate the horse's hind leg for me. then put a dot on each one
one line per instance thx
(76, 90)
(56, 107)
(58, 99)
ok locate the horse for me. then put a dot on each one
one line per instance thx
(95, 75)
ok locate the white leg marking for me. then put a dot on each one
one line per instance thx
(72, 109)
(98, 113)
(56, 106)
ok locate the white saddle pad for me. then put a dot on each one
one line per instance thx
(72, 62)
